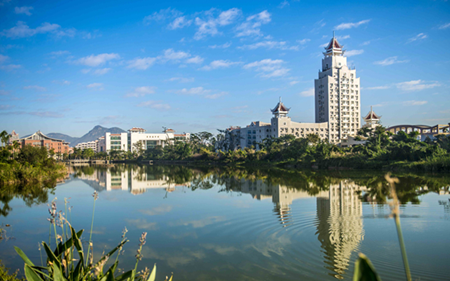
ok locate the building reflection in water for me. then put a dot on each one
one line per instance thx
(134, 180)
(339, 217)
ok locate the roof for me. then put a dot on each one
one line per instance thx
(40, 136)
(334, 44)
(136, 129)
(280, 107)
(372, 115)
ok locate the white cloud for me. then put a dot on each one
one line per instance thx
(141, 63)
(155, 105)
(283, 4)
(224, 46)
(170, 54)
(162, 15)
(268, 68)
(444, 26)
(270, 45)
(251, 27)
(22, 30)
(390, 61)
(193, 91)
(23, 10)
(95, 86)
(196, 60)
(365, 43)
(85, 71)
(209, 26)
(3, 58)
(354, 53)
(62, 82)
(350, 25)
(97, 60)
(293, 82)
(324, 45)
(141, 91)
(10, 67)
(179, 22)
(180, 79)
(414, 102)
(303, 41)
(419, 36)
(307, 93)
(35, 87)
(59, 53)
(102, 71)
(219, 64)
(216, 96)
(417, 85)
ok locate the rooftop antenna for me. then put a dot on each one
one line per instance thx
(333, 33)
(280, 98)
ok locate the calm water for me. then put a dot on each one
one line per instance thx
(228, 224)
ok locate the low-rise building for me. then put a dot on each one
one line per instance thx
(39, 139)
(424, 131)
(280, 125)
(90, 144)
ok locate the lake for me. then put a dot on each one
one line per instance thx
(242, 224)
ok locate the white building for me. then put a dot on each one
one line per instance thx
(337, 94)
(280, 125)
(129, 141)
(90, 144)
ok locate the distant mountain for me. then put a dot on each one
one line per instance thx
(93, 134)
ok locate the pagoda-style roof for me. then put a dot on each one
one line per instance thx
(40, 136)
(135, 129)
(280, 107)
(334, 44)
(371, 116)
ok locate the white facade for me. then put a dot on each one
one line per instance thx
(337, 94)
(116, 142)
(90, 144)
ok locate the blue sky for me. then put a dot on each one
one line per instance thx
(66, 66)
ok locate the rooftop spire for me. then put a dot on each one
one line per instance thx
(334, 48)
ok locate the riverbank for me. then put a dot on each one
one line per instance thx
(17, 173)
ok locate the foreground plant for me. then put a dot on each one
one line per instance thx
(61, 264)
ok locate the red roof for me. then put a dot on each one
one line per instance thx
(334, 44)
(280, 107)
(371, 115)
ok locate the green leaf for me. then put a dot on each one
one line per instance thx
(23, 256)
(153, 274)
(171, 277)
(79, 269)
(69, 243)
(30, 274)
(364, 270)
(78, 245)
(110, 253)
(124, 276)
(57, 274)
(110, 272)
(51, 256)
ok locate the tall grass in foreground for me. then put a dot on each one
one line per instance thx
(61, 263)
(364, 269)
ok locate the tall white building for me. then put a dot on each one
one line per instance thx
(337, 94)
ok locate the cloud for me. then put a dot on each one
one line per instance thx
(293, 82)
(10, 67)
(349, 25)
(141, 63)
(414, 102)
(62, 82)
(35, 87)
(3, 58)
(4, 93)
(283, 4)
(251, 27)
(199, 223)
(22, 30)
(141, 91)
(142, 224)
(270, 45)
(95, 86)
(353, 53)
(180, 79)
(59, 53)
(196, 60)
(303, 41)
(365, 43)
(377, 88)
(47, 98)
(224, 46)
(209, 26)
(390, 61)
(102, 71)
(419, 36)
(445, 26)
(157, 210)
(97, 60)
(179, 22)
(307, 93)
(216, 96)
(416, 85)
(5, 106)
(162, 15)
(23, 10)
(219, 64)
(85, 71)
(46, 114)
(155, 105)
(170, 54)
(194, 91)
(268, 68)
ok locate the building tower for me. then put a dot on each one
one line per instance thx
(337, 94)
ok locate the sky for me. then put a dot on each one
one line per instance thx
(66, 66)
